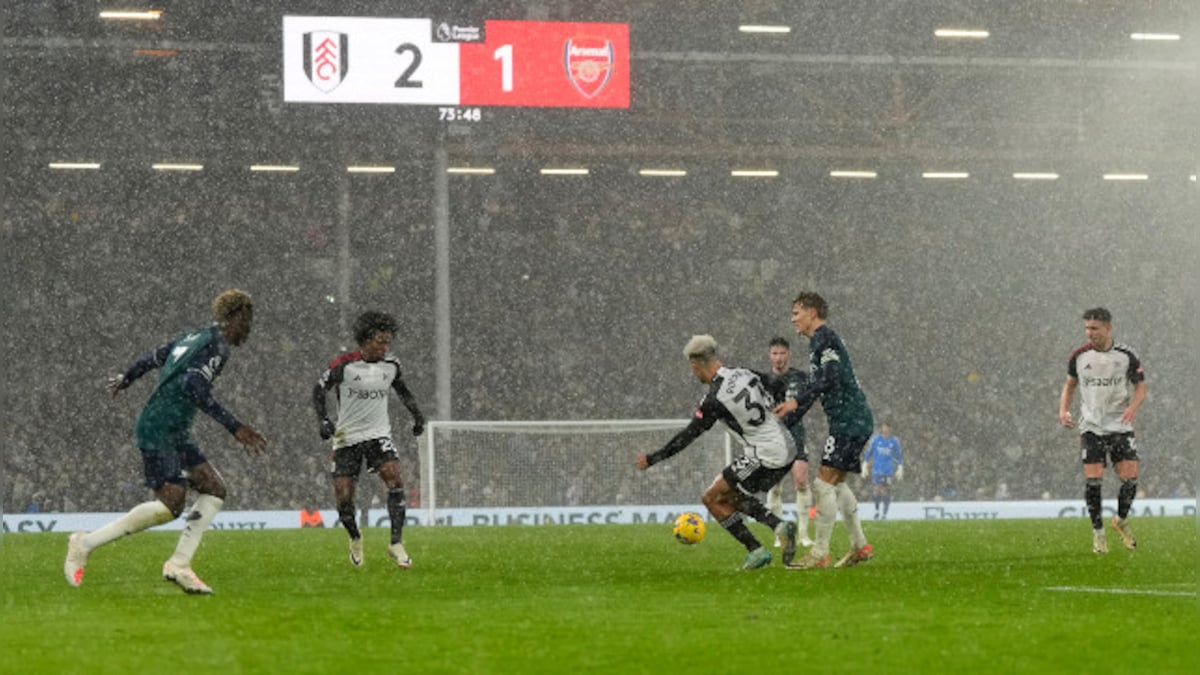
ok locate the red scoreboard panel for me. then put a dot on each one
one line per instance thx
(547, 64)
(412, 61)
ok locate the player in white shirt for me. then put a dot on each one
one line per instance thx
(363, 432)
(738, 397)
(1111, 387)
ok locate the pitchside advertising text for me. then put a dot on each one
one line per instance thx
(593, 515)
(453, 65)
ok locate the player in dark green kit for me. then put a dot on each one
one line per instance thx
(850, 426)
(792, 380)
(187, 367)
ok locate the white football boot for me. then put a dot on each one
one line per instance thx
(397, 553)
(186, 579)
(76, 559)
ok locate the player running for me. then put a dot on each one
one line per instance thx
(737, 397)
(363, 432)
(187, 366)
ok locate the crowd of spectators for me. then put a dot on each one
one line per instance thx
(573, 301)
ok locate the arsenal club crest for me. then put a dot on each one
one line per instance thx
(589, 64)
(326, 58)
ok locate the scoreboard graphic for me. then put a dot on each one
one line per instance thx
(419, 62)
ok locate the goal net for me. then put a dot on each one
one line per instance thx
(474, 465)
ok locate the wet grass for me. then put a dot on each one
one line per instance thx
(939, 597)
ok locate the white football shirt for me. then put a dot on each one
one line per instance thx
(1106, 382)
(362, 391)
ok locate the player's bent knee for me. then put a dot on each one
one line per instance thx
(713, 497)
(175, 506)
(173, 497)
(217, 490)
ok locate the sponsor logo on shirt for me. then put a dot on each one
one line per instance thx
(1114, 381)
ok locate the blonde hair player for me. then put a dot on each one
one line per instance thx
(737, 397)
(188, 365)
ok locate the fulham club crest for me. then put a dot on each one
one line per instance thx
(589, 64)
(326, 58)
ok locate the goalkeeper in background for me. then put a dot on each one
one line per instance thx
(363, 432)
(737, 397)
(187, 367)
(883, 463)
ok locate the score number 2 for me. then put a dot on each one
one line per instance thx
(406, 80)
(503, 54)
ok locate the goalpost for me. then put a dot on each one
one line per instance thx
(539, 464)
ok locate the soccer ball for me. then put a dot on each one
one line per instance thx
(689, 528)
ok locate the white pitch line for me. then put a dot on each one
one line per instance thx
(1120, 591)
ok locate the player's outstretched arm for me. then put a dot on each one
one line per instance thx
(681, 440)
(199, 389)
(142, 364)
(115, 384)
(254, 442)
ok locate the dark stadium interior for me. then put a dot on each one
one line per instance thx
(571, 296)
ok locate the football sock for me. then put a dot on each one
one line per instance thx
(1091, 494)
(140, 517)
(848, 504)
(734, 525)
(802, 503)
(755, 509)
(826, 515)
(346, 516)
(396, 506)
(775, 499)
(198, 520)
(887, 503)
(1125, 497)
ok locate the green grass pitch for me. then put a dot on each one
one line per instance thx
(962, 596)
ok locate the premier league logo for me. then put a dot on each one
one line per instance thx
(589, 64)
(326, 58)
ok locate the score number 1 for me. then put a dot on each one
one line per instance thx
(504, 54)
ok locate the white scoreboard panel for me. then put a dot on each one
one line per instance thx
(388, 61)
